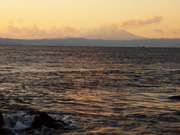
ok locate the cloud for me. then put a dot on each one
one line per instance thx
(159, 30)
(34, 32)
(139, 23)
(108, 31)
(175, 31)
(27, 32)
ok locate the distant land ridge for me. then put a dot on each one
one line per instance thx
(93, 42)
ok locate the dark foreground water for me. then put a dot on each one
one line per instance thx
(94, 90)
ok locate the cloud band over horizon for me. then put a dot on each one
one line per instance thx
(108, 31)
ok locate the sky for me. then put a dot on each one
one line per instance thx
(105, 19)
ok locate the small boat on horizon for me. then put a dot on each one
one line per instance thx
(141, 46)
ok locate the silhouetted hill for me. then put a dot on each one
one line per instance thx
(95, 42)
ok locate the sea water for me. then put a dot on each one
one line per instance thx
(95, 90)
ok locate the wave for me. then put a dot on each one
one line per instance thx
(33, 122)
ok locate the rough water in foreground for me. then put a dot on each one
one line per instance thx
(93, 90)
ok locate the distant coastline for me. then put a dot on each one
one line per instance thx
(175, 43)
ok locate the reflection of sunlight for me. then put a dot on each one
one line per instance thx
(109, 130)
(93, 101)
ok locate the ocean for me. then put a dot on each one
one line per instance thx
(94, 90)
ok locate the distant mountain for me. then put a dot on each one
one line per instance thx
(115, 35)
(94, 42)
(124, 35)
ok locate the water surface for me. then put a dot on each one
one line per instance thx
(100, 90)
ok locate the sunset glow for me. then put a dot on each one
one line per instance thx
(30, 19)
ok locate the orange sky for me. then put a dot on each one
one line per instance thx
(30, 19)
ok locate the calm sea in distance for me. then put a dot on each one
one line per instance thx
(95, 90)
